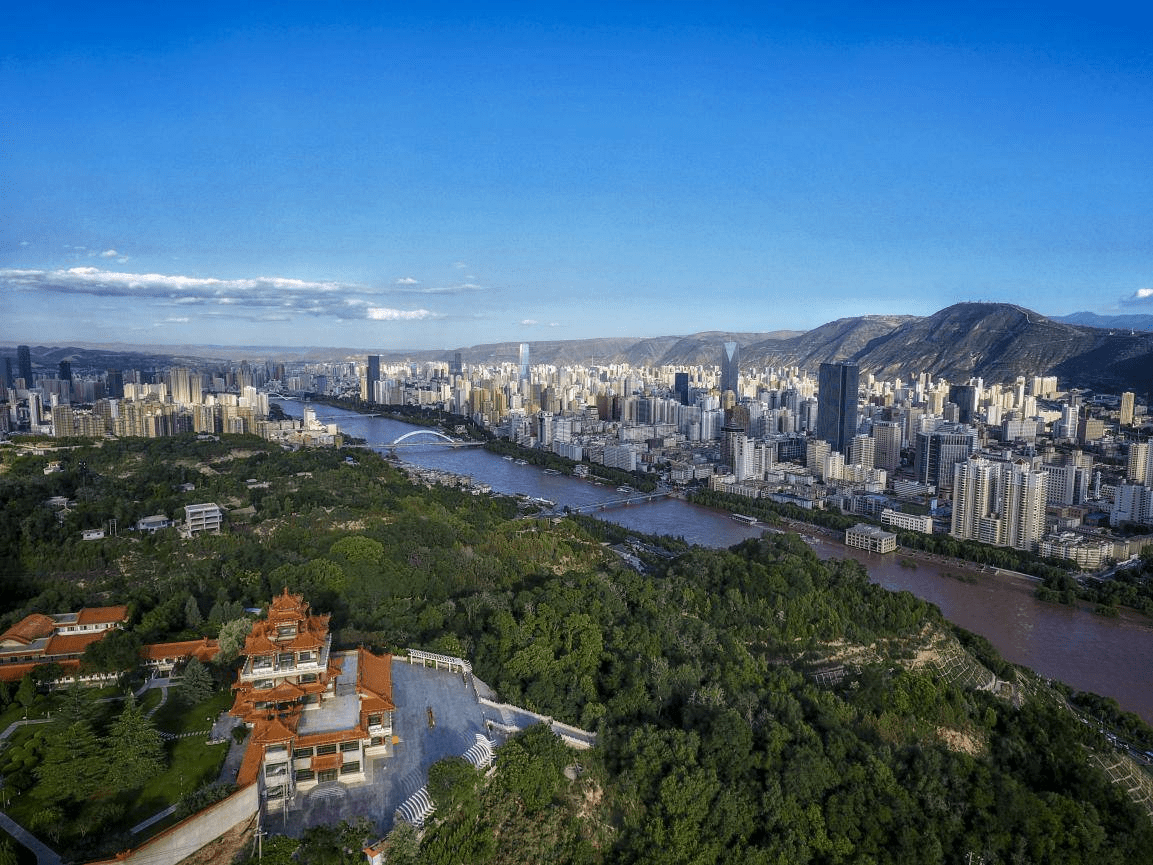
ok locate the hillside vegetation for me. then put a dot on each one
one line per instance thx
(753, 705)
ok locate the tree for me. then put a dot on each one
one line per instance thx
(452, 783)
(530, 766)
(231, 638)
(75, 764)
(26, 692)
(196, 683)
(135, 749)
(192, 615)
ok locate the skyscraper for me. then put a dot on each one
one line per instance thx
(65, 370)
(999, 502)
(523, 362)
(24, 364)
(1127, 408)
(371, 377)
(837, 404)
(681, 387)
(731, 368)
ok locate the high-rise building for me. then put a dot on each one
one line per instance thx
(887, 445)
(837, 404)
(9, 375)
(65, 370)
(524, 376)
(24, 364)
(731, 368)
(371, 377)
(681, 387)
(114, 384)
(1139, 464)
(941, 449)
(1127, 408)
(862, 451)
(964, 396)
(999, 502)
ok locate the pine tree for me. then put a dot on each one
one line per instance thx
(135, 749)
(196, 683)
(192, 615)
(75, 764)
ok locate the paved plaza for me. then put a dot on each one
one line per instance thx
(456, 718)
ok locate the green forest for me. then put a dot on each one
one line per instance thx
(753, 705)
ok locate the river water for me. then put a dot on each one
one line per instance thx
(1113, 657)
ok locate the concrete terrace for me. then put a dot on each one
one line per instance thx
(438, 715)
(341, 712)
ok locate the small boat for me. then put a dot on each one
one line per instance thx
(551, 472)
(522, 462)
(509, 458)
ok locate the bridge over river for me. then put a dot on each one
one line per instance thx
(636, 499)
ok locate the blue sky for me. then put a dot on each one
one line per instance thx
(371, 176)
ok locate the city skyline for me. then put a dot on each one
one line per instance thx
(331, 176)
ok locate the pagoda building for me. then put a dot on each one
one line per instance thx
(316, 716)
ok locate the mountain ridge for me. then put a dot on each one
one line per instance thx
(993, 341)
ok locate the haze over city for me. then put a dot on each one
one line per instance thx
(360, 175)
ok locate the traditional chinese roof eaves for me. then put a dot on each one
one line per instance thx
(72, 644)
(16, 672)
(30, 628)
(374, 679)
(102, 615)
(203, 650)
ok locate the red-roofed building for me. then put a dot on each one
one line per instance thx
(60, 638)
(162, 658)
(316, 716)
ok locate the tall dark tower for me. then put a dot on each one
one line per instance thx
(114, 384)
(372, 376)
(65, 369)
(681, 387)
(8, 374)
(731, 368)
(837, 404)
(24, 364)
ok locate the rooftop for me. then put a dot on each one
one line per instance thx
(340, 712)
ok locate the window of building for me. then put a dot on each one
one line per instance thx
(305, 775)
(275, 769)
(276, 792)
(374, 720)
(326, 775)
(304, 657)
(375, 741)
(308, 678)
(345, 747)
(350, 768)
(302, 752)
(321, 750)
(286, 630)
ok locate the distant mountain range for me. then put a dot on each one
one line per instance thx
(995, 341)
(1122, 322)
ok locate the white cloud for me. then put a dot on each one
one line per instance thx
(1143, 294)
(554, 324)
(25, 243)
(407, 280)
(529, 322)
(109, 253)
(461, 265)
(378, 313)
(266, 298)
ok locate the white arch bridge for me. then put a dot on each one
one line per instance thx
(426, 437)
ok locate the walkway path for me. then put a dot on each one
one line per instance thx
(45, 855)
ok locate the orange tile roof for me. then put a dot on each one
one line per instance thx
(374, 675)
(30, 628)
(102, 615)
(72, 644)
(327, 761)
(203, 650)
(15, 672)
(250, 765)
(273, 731)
